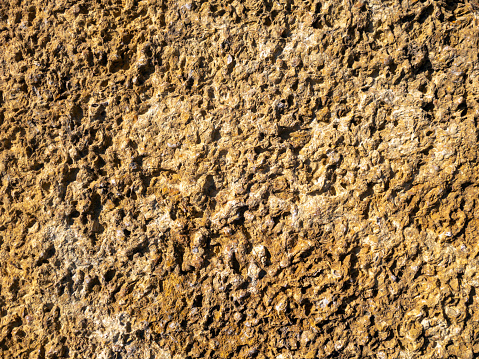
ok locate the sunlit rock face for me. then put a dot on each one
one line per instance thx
(264, 179)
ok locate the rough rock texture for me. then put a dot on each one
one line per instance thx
(226, 179)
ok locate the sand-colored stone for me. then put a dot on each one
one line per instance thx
(208, 179)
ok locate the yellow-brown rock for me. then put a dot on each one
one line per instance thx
(236, 179)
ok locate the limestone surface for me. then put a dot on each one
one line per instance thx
(239, 179)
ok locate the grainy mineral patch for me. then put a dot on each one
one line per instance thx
(235, 179)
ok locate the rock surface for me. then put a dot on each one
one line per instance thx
(226, 179)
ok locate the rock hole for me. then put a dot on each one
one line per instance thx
(109, 275)
(46, 186)
(198, 301)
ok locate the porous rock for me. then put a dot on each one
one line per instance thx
(219, 179)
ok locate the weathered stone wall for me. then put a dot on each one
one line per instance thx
(228, 179)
